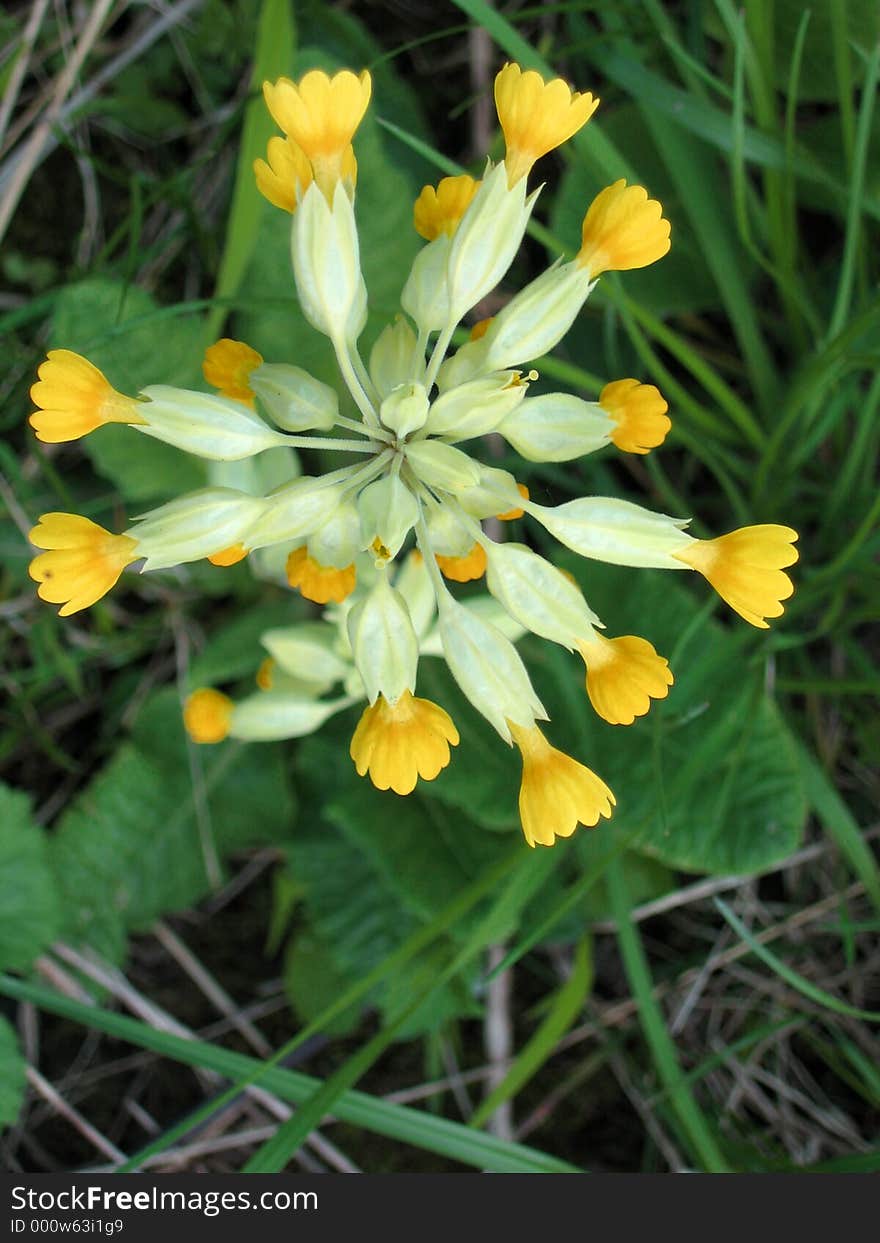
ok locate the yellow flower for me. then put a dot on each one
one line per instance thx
(321, 115)
(319, 583)
(480, 328)
(227, 366)
(439, 211)
(265, 674)
(745, 568)
(74, 398)
(207, 715)
(511, 515)
(464, 569)
(286, 176)
(536, 116)
(398, 743)
(623, 229)
(639, 411)
(229, 556)
(623, 676)
(82, 563)
(557, 793)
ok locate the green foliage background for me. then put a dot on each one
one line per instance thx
(762, 328)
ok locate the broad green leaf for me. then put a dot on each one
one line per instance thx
(312, 981)
(29, 915)
(138, 841)
(12, 1075)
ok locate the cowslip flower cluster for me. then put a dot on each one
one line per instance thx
(379, 542)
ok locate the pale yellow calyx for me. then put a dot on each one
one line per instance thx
(623, 676)
(438, 211)
(227, 367)
(319, 583)
(623, 229)
(464, 569)
(511, 515)
(75, 398)
(207, 715)
(229, 556)
(746, 569)
(82, 561)
(536, 116)
(321, 115)
(557, 793)
(401, 742)
(639, 412)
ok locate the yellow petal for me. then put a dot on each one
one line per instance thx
(399, 743)
(639, 412)
(74, 398)
(557, 793)
(536, 116)
(623, 676)
(227, 366)
(745, 568)
(207, 715)
(464, 569)
(623, 229)
(439, 211)
(319, 583)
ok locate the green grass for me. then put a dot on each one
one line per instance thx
(757, 126)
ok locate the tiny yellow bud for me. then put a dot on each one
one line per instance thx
(227, 366)
(639, 412)
(229, 556)
(439, 211)
(207, 715)
(464, 569)
(319, 583)
(511, 515)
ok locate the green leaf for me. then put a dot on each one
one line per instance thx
(273, 57)
(12, 1075)
(29, 915)
(312, 981)
(412, 1126)
(121, 330)
(142, 838)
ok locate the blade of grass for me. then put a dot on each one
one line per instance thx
(273, 56)
(818, 995)
(398, 1122)
(566, 1006)
(691, 1118)
(839, 823)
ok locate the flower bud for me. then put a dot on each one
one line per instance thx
(477, 407)
(326, 264)
(295, 511)
(537, 318)
(486, 240)
(196, 525)
(539, 595)
(414, 584)
(338, 540)
(294, 399)
(393, 358)
(615, 531)
(201, 423)
(405, 409)
(383, 643)
(425, 295)
(441, 466)
(307, 651)
(272, 715)
(388, 512)
(557, 427)
(488, 669)
(495, 493)
(467, 363)
(448, 536)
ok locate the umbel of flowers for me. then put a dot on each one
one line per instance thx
(380, 542)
